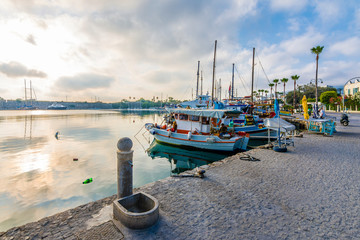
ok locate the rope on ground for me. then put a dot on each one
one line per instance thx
(249, 158)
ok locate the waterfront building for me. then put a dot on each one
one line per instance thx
(352, 86)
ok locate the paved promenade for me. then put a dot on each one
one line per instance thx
(310, 192)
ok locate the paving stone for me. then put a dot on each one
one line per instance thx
(106, 230)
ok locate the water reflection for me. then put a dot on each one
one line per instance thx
(39, 177)
(182, 159)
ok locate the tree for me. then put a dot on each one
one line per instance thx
(276, 83)
(266, 92)
(316, 50)
(325, 96)
(271, 87)
(294, 77)
(284, 80)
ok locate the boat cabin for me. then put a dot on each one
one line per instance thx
(201, 120)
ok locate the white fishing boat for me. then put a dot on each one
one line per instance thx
(198, 128)
(56, 106)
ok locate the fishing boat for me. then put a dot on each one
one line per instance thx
(56, 106)
(198, 128)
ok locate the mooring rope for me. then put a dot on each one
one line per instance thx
(249, 158)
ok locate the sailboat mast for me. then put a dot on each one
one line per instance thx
(31, 101)
(252, 77)
(197, 82)
(213, 79)
(232, 87)
(25, 92)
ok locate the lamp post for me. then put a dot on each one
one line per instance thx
(313, 80)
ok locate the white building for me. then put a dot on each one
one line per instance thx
(352, 86)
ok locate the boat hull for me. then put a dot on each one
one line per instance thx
(257, 133)
(207, 142)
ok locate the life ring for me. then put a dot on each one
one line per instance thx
(216, 123)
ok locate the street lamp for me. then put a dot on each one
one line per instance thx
(313, 80)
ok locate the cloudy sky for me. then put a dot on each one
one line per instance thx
(110, 50)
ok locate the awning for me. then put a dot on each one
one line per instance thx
(212, 113)
(273, 123)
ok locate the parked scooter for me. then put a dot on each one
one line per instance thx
(344, 120)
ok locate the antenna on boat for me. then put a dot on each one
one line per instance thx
(232, 87)
(197, 82)
(252, 77)
(213, 79)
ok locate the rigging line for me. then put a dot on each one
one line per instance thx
(242, 80)
(263, 68)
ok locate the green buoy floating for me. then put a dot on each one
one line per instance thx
(89, 180)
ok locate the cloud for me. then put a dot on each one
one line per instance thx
(294, 24)
(348, 47)
(288, 5)
(30, 39)
(15, 69)
(329, 11)
(83, 81)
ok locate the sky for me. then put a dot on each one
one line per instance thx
(109, 50)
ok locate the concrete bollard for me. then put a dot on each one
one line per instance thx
(139, 210)
(124, 168)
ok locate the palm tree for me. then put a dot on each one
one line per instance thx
(316, 50)
(294, 77)
(284, 80)
(271, 87)
(266, 92)
(255, 93)
(276, 83)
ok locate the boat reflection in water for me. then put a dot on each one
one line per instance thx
(182, 159)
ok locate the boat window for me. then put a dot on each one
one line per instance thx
(205, 120)
(183, 117)
(194, 118)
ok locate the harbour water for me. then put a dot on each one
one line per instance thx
(42, 174)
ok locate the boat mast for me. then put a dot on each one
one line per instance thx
(25, 92)
(197, 82)
(31, 101)
(213, 79)
(201, 91)
(232, 87)
(252, 78)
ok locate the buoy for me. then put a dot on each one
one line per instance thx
(57, 135)
(89, 180)
(75, 159)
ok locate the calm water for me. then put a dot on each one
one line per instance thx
(39, 177)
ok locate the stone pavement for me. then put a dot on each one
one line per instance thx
(310, 192)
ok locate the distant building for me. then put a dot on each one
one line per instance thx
(352, 86)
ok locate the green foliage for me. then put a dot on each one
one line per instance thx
(288, 107)
(295, 77)
(308, 91)
(325, 96)
(311, 100)
(317, 50)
